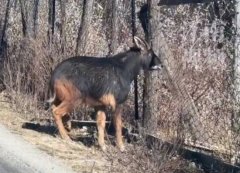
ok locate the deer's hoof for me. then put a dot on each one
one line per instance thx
(103, 147)
(122, 148)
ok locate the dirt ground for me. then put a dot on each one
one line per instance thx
(88, 158)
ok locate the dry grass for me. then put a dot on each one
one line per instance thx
(83, 158)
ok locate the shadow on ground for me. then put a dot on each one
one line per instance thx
(84, 131)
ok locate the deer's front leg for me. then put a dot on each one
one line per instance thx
(101, 121)
(118, 128)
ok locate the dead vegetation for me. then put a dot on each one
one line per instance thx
(86, 157)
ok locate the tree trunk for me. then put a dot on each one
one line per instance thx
(110, 24)
(237, 55)
(114, 27)
(150, 78)
(23, 15)
(35, 18)
(133, 5)
(51, 19)
(62, 28)
(28, 12)
(147, 114)
(5, 25)
(161, 48)
(84, 26)
(236, 79)
(3, 44)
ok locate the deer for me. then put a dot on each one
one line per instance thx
(99, 82)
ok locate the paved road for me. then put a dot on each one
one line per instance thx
(10, 164)
(18, 156)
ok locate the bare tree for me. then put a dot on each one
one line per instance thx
(51, 19)
(236, 71)
(159, 44)
(63, 19)
(114, 27)
(3, 43)
(84, 26)
(237, 55)
(111, 24)
(35, 17)
(5, 24)
(136, 106)
(24, 17)
(148, 101)
(28, 13)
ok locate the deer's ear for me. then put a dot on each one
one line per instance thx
(143, 45)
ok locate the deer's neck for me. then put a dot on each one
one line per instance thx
(132, 67)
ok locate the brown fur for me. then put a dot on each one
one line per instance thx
(118, 126)
(101, 121)
(70, 97)
(109, 100)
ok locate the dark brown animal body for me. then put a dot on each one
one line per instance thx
(98, 82)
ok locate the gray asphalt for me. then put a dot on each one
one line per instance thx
(10, 164)
(18, 156)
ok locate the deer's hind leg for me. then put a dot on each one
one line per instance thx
(59, 112)
(67, 122)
